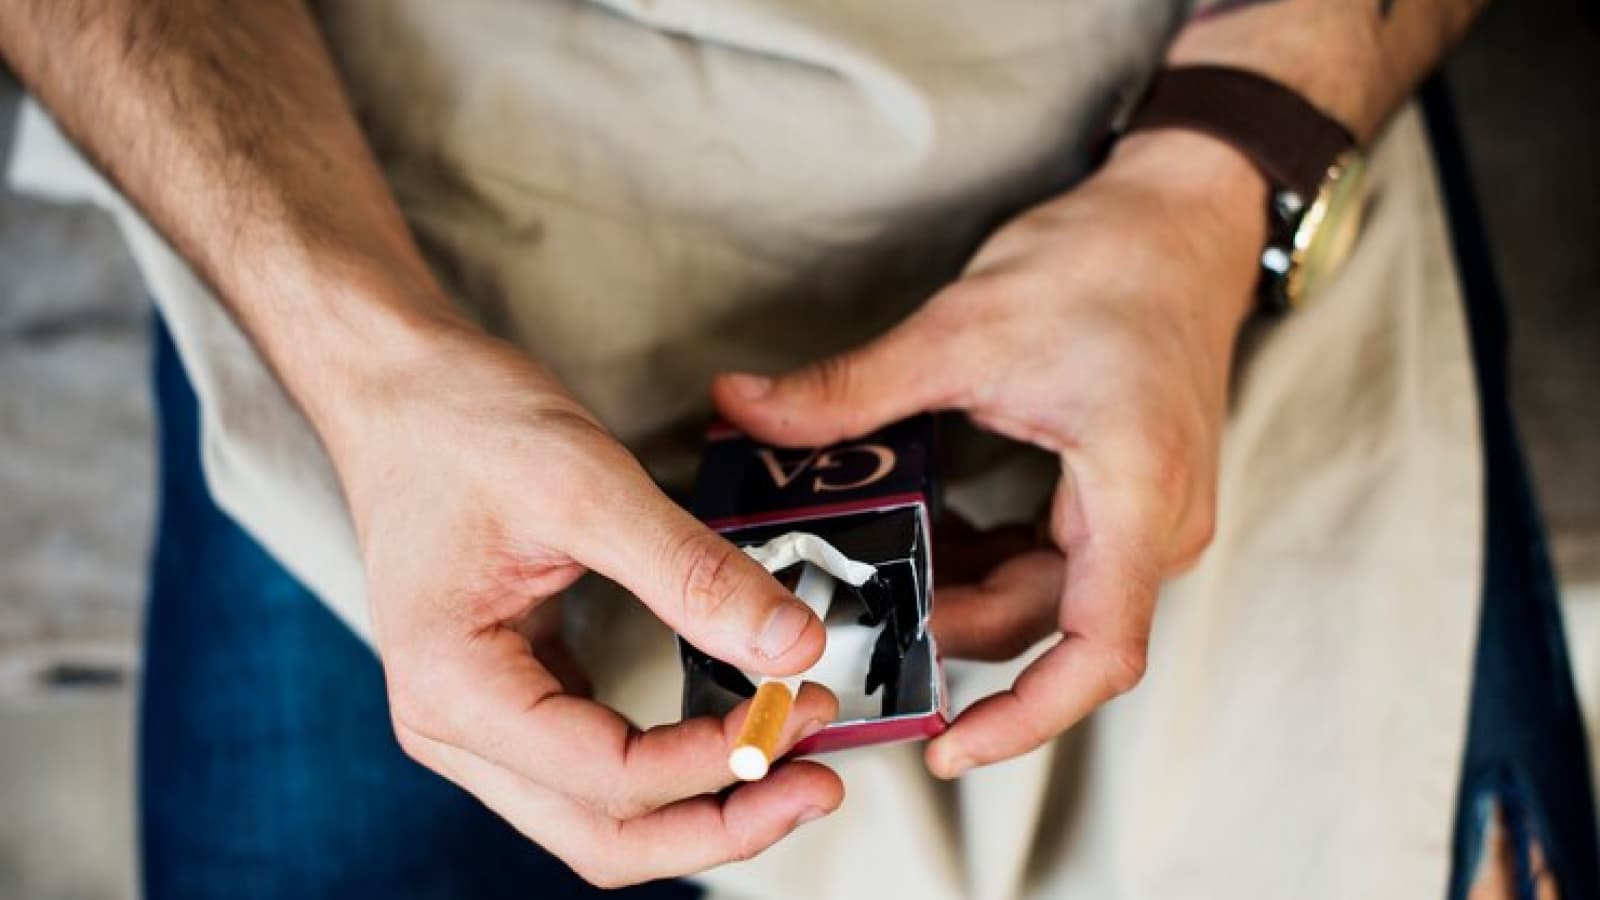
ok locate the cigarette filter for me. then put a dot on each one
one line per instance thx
(758, 739)
(856, 513)
(769, 709)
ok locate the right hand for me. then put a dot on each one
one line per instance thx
(480, 490)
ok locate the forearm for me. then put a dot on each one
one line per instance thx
(1355, 59)
(225, 123)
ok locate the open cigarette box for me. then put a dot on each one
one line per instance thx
(871, 500)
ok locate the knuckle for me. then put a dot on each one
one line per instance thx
(1034, 736)
(1194, 537)
(744, 848)
(410, 743)
(709, 578)
(1205, 529)
(601, 876)
(415, 714)
(1202, 530)
(602, 860)
(621, 805)
(1029, 729)
(1156, 447)
(1125, 667)
(831, 379)
(1171, 474)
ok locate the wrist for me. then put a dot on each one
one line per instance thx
(1216, 194)
(339, 331)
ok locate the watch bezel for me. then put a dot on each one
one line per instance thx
(1293, 289)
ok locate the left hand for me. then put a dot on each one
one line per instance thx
(1099, 326)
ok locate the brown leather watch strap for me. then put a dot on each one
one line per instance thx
(1289, 139)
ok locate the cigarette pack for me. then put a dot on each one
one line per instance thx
(872, 500)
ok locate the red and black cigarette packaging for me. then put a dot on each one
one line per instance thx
(873, 499)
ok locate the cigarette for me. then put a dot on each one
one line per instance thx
(758, 739)
(757, 744)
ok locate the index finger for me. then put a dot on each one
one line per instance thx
(679, 839)
(1112, 575)
(693, 579)
(504, 707)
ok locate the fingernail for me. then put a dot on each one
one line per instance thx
(810, 728)
(809, 814)
(783, 630)
(750, 387)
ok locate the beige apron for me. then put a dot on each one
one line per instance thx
(645, 193)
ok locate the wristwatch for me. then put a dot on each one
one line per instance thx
(1313, 168)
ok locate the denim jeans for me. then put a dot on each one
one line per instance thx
(267, 768)
(1526, 749)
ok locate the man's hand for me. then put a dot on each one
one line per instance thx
(481, 490)
(1099, 326)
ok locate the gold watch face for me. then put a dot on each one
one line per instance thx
(1328, 231)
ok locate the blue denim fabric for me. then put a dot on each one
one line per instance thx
(267, 767)
(1526, 748)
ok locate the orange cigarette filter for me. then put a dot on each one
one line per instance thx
(758, 738)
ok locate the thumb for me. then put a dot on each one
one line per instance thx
(897, 375)
(697, 582)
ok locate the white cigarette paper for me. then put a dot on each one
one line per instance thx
(822, 566)
(785, 550)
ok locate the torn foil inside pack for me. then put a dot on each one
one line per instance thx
(860, 512)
